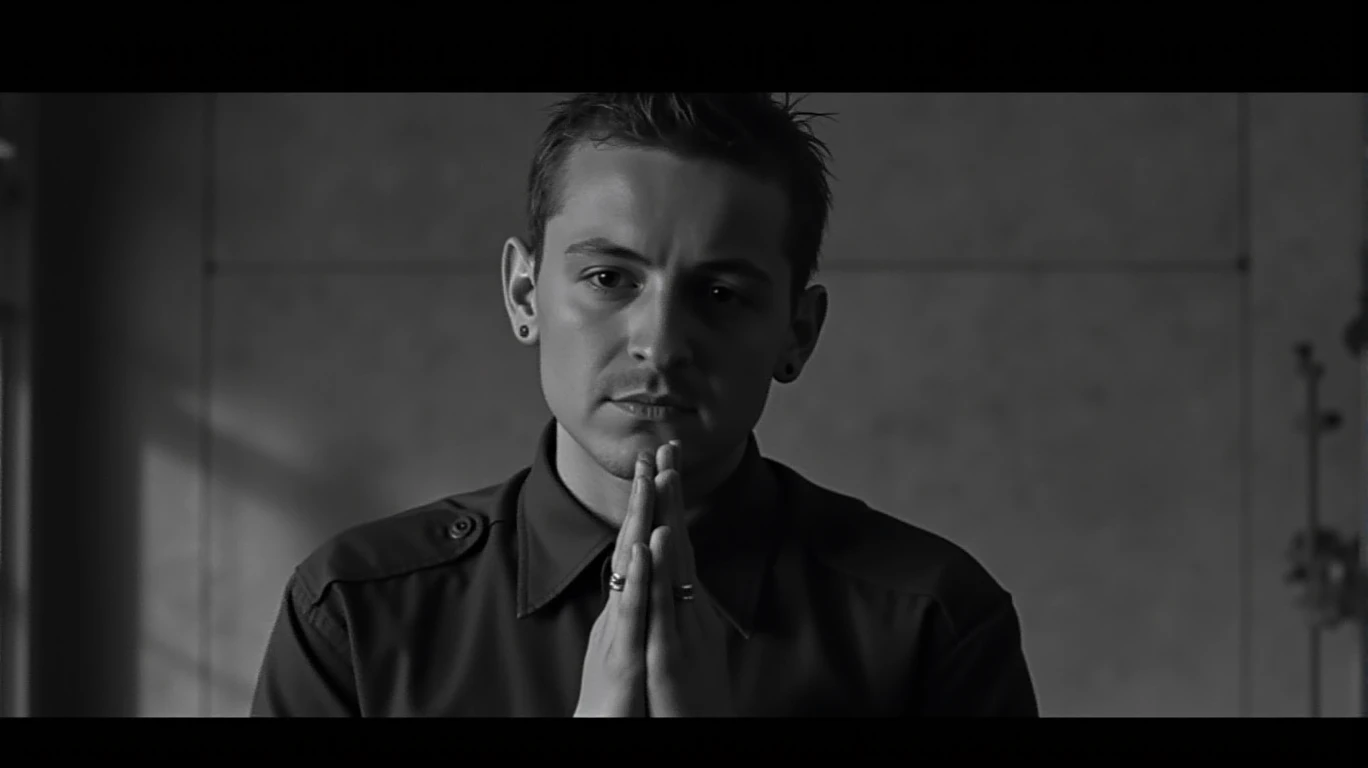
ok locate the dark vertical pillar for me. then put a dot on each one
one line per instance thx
(84, 526)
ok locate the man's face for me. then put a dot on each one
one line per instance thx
(661, 276)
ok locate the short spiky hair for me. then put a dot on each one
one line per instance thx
(754, 131)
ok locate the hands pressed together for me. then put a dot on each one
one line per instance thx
(659, 647)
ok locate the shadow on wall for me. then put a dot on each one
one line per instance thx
(176, 516)
(132, 602)
(319, 502)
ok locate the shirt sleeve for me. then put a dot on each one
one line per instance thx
(985, 672)
(306, 671)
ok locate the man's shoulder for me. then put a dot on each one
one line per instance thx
(429, 535)
(871, 546)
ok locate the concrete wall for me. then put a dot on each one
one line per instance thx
(1040, 346)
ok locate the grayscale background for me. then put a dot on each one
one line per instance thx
(1039, 346)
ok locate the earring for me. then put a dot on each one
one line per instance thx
(523, 331)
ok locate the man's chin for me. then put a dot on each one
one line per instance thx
(618, 443)
(618, 455)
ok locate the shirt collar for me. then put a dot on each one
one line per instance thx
(733, 544)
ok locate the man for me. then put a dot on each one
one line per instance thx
(650, 562)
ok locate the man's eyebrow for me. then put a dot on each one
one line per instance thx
(738, 267)
(602, 246)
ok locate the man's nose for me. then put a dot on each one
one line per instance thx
(661, 332)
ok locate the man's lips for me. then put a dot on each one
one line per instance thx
(653, 409)
(655, 401)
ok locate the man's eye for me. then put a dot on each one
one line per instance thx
(729, 297)
(605, 280)
(723, 294)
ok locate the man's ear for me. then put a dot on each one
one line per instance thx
(520, 289)
(805, 327)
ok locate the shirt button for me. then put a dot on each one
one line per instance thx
(461, 528)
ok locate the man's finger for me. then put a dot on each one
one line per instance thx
(672, 512)
(637, 524)
(683, 544)
(662, 457)
(662, 585)
(632, 605)
(670, 501)
(671, 507)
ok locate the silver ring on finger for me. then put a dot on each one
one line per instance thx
(683, 592)
(617, 582)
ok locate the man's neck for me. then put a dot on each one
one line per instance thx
(607, 496)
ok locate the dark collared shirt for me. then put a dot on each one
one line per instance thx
(480, 604)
